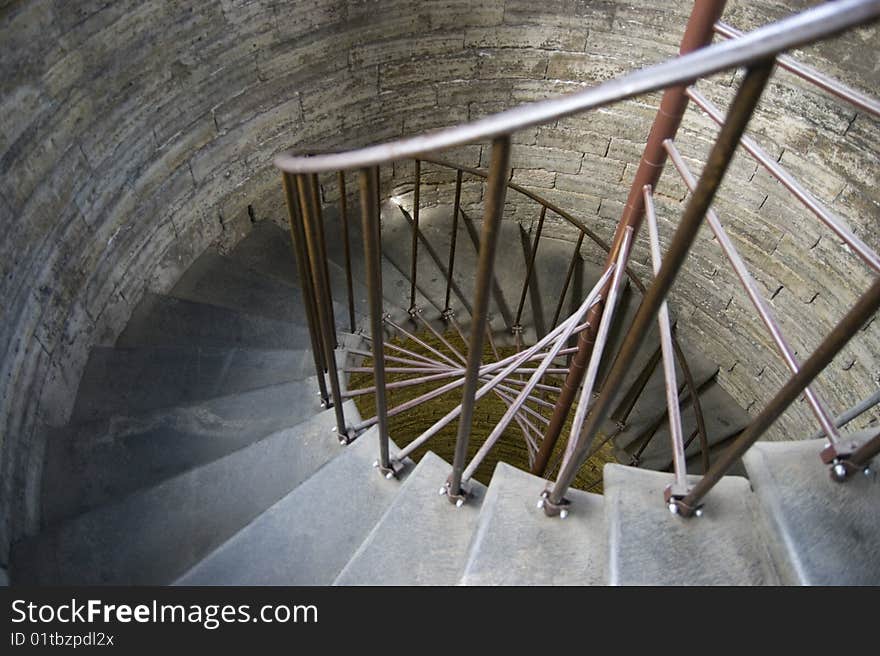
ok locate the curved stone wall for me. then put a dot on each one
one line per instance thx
(137, 133)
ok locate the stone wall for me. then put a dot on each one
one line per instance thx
(135, 134)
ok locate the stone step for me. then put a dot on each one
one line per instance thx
(723, 419)
(160, 320)
(820, 532)
(90, 464)
(647, 545)
(515, 543)
(421, 539)
(138, 379)
(395, 283)
(153, 536)
(309, 535)
(430, 280)
(267, 250)
(219, 280)
(651, 405)
(551, 269)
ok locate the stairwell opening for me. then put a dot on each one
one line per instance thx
(511, 448)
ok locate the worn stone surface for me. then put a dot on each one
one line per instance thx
(647, 545)
(515, 543)
(308, 536)
(153, 536)
(135, 134)
(101, 461)
(821, 532)
(421, 539)
(138, 379)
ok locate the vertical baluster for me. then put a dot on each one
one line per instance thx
(322, 252)
(297, 237)
(343, 211)
(571, 267)
(455, 210)
(311, 216)
(741, 110)
(679, 462)
(522, 299)
(414, 248)
(369, 183)
(496, 187)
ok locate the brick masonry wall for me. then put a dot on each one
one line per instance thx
(135, 134)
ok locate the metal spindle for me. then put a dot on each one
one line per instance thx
(568, 276)
(343, 211)
(741, 110)
(414, 248)
(787, 180)
(499, 170)
(312, 229)
(601, 340)
(453, 238)
(531, 266)
(322, 253)
(298, 239)
(679, 462)
(761, 305)
(369, 182)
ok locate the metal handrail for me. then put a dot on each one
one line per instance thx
(758, 52)
(829, 84)
(765, 42)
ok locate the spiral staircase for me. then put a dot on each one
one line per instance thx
(199, 453)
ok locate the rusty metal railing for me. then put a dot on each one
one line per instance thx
(758, 52)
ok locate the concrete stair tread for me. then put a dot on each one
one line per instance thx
(822, 532)
(90, 464)
(554, 258)
(395, 284)
(161, 320)
(309, 535)
(430, 280)
(421, 539)
(514, 543)
(267, 250)
(650, 546)
(723, 419)
(138, 379)
(154, 535)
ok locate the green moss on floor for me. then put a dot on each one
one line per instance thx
(511, 448)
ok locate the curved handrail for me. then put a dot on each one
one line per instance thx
(757, 45)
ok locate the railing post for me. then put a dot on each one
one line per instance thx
(496, 187)
(369, 183)
(414, 247)
(346, 245)
(317, 219)
(297, 237)
(456, 206)
(517, 328)
(307, 186)
(698, 33)
(741, 109)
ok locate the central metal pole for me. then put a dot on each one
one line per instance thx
(496, 188)
(698, 34)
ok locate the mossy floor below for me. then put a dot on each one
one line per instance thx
(510, 448)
